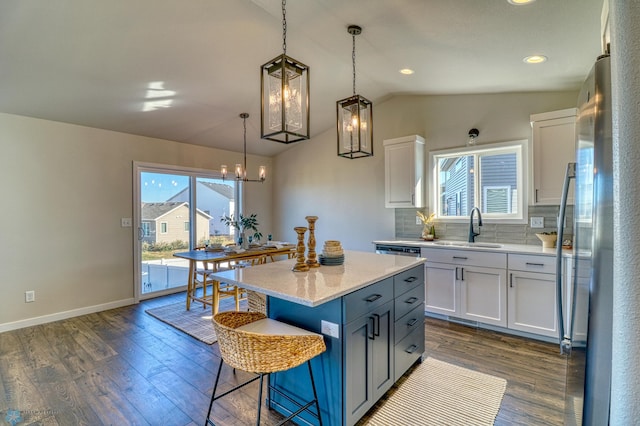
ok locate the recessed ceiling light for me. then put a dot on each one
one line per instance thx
(406, 71)
(535, 59)
(520, 2)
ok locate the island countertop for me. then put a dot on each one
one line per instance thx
(318, 285)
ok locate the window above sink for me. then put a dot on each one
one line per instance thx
(492, 177)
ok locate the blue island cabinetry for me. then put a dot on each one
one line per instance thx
(373, 336)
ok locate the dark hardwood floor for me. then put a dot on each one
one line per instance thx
(122, 367)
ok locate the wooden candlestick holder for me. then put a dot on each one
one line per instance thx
(300, 265)
(311, 244)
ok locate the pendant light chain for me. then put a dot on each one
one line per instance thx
(244, 125)
(284, 27)
(353, 58)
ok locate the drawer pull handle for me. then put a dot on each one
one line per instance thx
(461, 257)
(534, 264)
(411, 300)
(412, 322)
(373, 298)
(410, 279)
(411, 349)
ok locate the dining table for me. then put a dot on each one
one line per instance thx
(217, 259)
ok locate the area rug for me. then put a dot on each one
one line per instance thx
(196, 322)
(438, 393)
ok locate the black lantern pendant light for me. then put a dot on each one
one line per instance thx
(284, 83)
(241, 169)
(355, 117)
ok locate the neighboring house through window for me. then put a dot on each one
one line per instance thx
(491, 177)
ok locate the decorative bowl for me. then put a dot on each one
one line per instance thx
(548, 240)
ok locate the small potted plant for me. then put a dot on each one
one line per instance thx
(428, 229)
(243, 224)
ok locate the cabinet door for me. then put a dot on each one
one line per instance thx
(357, 368)
(554, 144)
(369, 364)
(441, 291)
(483, 295)
(532, 303)
(382, 350)
(404, 169)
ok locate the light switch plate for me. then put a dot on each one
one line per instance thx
(330, 329)
(537, 222)
(125, 222)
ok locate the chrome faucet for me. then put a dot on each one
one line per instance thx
(472, 234)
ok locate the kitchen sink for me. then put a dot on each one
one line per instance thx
(467, 244)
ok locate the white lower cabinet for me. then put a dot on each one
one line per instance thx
(483, 295)
(514, 291)
(456, 286)
(532, 294)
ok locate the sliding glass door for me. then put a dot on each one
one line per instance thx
(167, 222)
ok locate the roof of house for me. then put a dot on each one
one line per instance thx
(222, 189)
(152, 211)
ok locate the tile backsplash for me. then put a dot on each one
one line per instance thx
(406, 227)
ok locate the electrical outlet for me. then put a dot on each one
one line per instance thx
(125, 222)
(29, 296)
(330, 329)
(418, 221)
(537, 222)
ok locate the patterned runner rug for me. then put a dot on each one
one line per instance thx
(196, 322)
(438, 393)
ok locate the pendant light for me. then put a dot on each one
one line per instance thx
(284, 84)
(355, 117)
(241, 170)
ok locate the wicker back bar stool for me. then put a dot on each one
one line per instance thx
(252, 342)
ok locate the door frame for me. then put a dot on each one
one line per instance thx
(194, 174)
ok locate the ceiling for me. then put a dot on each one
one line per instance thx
(185, 70)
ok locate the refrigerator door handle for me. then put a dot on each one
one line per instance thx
(565, 341)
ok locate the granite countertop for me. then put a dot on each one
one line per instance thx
(482, 246)
(319, 285)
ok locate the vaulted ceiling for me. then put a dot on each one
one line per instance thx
(184, 70)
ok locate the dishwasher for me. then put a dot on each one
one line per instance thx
(398, 250)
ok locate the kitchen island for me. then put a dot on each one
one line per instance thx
(371, 312)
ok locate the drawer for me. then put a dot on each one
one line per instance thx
(406, 302)
(366, 299)
(409, 322)
(532, 263)
(407, 280)
(408, 351)
(465, 257)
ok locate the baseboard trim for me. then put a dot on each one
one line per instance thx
(44, 319)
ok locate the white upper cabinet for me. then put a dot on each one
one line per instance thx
(404, 172)
(554, 145)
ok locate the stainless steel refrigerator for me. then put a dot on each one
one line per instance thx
(587, 300)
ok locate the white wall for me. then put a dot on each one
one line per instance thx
(64, 190)
(348, 195)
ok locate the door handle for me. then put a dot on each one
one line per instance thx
(534, 264)
(411, 300)
(457, 273)
(511, 280)
(140, 234)
(373, 298)
(411, 349)
(410, 279)
(370, 326)
(376, 325)
(412, 322)
(461, 274)
(461, 257)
